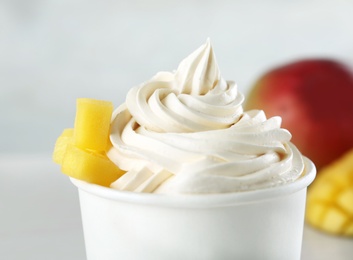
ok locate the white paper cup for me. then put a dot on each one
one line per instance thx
(261, 224)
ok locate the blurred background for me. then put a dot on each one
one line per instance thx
(52, 52)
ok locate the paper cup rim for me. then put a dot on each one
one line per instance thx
(200, 200)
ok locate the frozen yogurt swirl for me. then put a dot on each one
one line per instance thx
(186, 132)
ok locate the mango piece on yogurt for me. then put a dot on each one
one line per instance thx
(82, 151)
(89, 165)
(330, 198)
(61, 143)
(92, 123)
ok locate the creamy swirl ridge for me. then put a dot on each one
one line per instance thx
(186, 132)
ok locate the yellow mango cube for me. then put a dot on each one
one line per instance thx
(61, 143)
(330, 198)
(345, 200)
(334, 220)
(315, 213)
(90, 166)
(324, 191)
(82, 151)
(92, 123)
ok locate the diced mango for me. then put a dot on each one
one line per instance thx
(314, 213)
(345, 200)
(92, 123)
(334, 220)
(89, 166)
(324, 191)
(330, 198)
(82, 151)
(61, 143)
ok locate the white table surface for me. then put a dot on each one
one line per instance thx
(40, 216)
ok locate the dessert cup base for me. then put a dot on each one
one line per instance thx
(261, 224)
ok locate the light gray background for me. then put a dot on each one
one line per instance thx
(52, 52)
